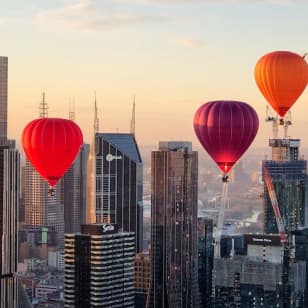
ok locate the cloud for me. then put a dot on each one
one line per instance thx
(91, 16)
(227, 2)
(188, 42)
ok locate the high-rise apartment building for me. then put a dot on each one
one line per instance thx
(289, 176)
(9, 201)
(99, 267)
(174, 252)
(119, 183)
(74, 192)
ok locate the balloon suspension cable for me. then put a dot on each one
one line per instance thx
(221, 214)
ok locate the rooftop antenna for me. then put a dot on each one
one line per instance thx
(132, 121)
(43, 107)
(96, 120)
(71, 113)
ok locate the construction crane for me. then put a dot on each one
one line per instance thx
(286, 122)
(283, 238)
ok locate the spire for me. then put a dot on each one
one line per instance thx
(71, 113)
(43, 107)
(132, 121)
(96, 120)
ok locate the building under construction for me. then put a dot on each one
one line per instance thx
(288, 175)
(247, 282)
(285, 185)
(255, 279)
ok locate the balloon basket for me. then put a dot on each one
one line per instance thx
(225, 178)
(51, 192)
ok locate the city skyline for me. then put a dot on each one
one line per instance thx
(173, 55)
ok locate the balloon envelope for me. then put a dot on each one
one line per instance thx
(51, 145)
(226, 129)
(281, 77)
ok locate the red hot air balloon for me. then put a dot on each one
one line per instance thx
(226, 129)
(51, 145)
(281, 76)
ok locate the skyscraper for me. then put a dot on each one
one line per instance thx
(3, 99)
(119, 183)
(99, 267)
(91, 168)
(288, 174)
(74, 192)
(41, 208)
(205, 259)
(9, 201)
(174, 259)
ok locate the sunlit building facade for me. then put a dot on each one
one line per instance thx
(3, 98)
(142, 278)
(42, 208)
(174, 252)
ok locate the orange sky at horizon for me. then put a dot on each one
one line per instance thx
(172, 55)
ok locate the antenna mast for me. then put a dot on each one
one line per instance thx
(43, 107)
(133, 121)
(96, 120)
(71, 113)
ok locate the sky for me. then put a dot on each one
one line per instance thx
(171, 55)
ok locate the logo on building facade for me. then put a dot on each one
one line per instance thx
(107, 228)
(110, 157)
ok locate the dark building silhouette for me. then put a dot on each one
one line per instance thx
(9, 201)
(300, 242)
(74, 192)
(205, 260)
(174, 252)
(119, 183)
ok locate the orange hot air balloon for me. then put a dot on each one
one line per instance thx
(51, 145)
(281, 76)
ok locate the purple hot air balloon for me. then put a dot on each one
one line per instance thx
(226, 129)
